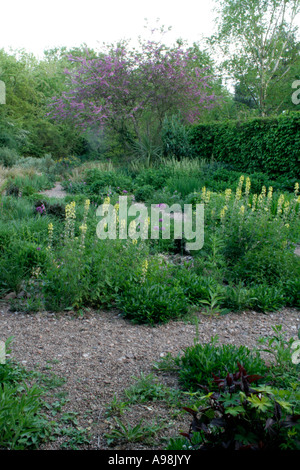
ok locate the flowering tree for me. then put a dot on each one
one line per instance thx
(125, 89)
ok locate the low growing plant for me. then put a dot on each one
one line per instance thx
(241, 416)
(198, 363)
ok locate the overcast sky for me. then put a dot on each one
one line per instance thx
(36, 25)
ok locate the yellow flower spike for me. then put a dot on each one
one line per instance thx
(205, 195)
(223, 213)
(269, 198)
(145, 264)
(131, 229)
(242, 210)
(280, 204)
(296, 189)
(286, 207)
(270, 193)
(248, 185)
(144, 270)
(50, 236)
(238, 194)
(241, 181)
(227, 195)
(70, 210)
(83, 228)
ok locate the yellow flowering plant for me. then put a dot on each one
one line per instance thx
(70, 216)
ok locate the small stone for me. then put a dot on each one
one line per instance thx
(11, 295)
(123, 358)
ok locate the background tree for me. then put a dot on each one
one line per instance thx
(30, 84)
(258, 41)
(131, 91)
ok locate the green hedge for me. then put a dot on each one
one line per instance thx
(270, 145)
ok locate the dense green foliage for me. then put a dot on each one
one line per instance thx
(268, 145)
(25, 127)
(55, 261)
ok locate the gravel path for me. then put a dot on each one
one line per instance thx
(100, 353)
(57, 191)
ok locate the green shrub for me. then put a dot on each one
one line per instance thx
(152, 303)
(22, 422)
(143, 193)
(12, 189)
(164, 196)
(267, 265)
(18, 261)
(43, 207)
(22, 425)
(268, 298)
(28, 185)
(8, 157)
(155, 177)
(184, 185)
(175, 138)
(245, 416)
(269, 145)
(96, 180)
(200, 362)
(238, 297)
(196, 288)
(291, 289)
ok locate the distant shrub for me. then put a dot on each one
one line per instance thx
(175, 138)
(143, 193)
(8, 157)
